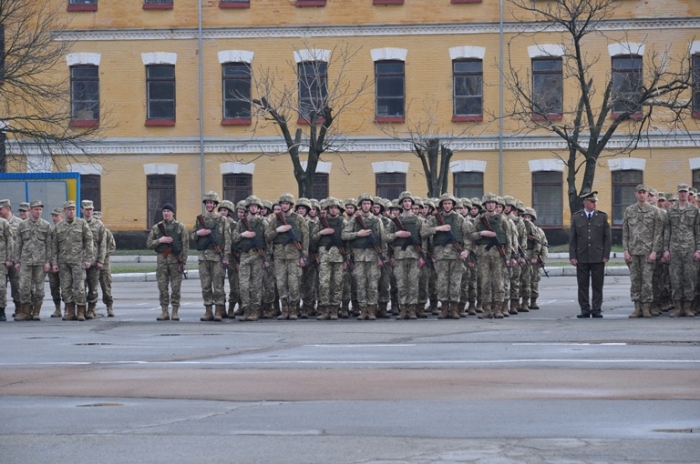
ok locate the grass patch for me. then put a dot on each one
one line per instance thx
(133, 252)
(128, 268)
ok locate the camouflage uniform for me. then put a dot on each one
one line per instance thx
(12, 273)
(252, 267)
(169, 271)
(331, 273)
(72, 246)
(93, 272)
(6, 245)
(54, 281)
(309, 274)
(536, 274)
(32, 250)
(532, 249)
(106, 273)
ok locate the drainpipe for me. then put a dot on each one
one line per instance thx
(201, 98)
(500, 101)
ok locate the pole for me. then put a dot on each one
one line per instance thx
(201, 99)
(500, 101)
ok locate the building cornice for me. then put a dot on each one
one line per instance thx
(272, 145)
(368, 30)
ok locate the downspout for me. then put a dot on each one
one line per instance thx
(500, 101)
(201, 98)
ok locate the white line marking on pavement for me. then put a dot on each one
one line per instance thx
(360, 345)
(569, 344)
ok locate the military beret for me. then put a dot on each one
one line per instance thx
(86, 204)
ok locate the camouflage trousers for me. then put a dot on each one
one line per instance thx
(269, 283)
(464, 290)
(408, 276)
(349, 286)
(3, 287)
(55, 286)
(366, 276)
(288, 276)
(13, 277)
(526, 281)
(515, 276)
(641, 278)
(330, 283)
(384, 288)
(92, 280)
(234, 295)
(31, 283)
(535, 277)
(492, 272)
(169, 282)
(106, 282)
(72, 278)
(211, 278)
(426, 274)
(250, 274)
(309, 282)
(683, 271)
(449, 279)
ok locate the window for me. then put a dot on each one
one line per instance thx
(84, 95)
(234, 3)
(157, 4)
(387, 2)
(313, 88)
(237, 187)
(82, 5)
(696, 85)
(468, 83)
(90, 189)
(390, 185)
(161, 190)
(302, 3)
(160, 91)
(389, 81)
(627, 84)
(236, 93)
(547, 88)
(696, 178)
(320, 185)
(547, 198)
(468, 184)
(623, 184)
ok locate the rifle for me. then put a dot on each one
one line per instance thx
(521, 253)
(256, 245)
(173, 248)
(212, 240)
(540, 262)
(291, 236)
(537, 241)
(372, 239)
(412, 241)
(499, 246)
(451, 236)
(336, 242)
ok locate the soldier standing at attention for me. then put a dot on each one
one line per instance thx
(331, 272)
(32, 261)
(72, 254)
(100, 245)
(682, 251)
(589, 250)
(14, 221)
(106, 271)
(309, 272)
(6, 244)
(642, 231)
(23, 211)
(213, 239)
(169, 271)
(54, 281)
(227, 210)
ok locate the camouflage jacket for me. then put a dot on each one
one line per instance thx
(329, 253)
(449, 251)
(177, 230)
(362, 249)
(642, 229)
(220, 233)
(72, 243)
(402, 249)
(247, 246)
(682, 229)
(6, 243)
(288, 250)
(33, 243)
(99, 240)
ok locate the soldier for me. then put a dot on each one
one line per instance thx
(365, 234)
(32, 260)
(6, 245)
(349, 286)
(466, 297)
(589, 250)
(384, 289)
(642, 231)
(533, 252)
(520, 245)
(289, 234)
(13, 275)
(170, 240)
(54, 281)
(682, 251)
(226, 209)
(212, 236)
(73, 252)
(23, 211)
(106, 271)
(249, 237)
(333, 256)
(309, 274)
(99, 238)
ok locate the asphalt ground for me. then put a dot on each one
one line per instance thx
(541, 386)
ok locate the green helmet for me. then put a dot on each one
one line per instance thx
(418, 201)
(500, 200)
(489, 197)
(405, 195)
(253, 200)
(531, 212)
(364, 197)
(267, 204)
(315, 204)
(466, 203)
(510, 201)
(476, 201)
(211, 196)
(445, 197)
(395, 204)
(225, 204)
(520, 206)
(288, 197)
(351, 202)
(304, 202)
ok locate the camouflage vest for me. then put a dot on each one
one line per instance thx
(411, 224)
(173, 231)
(495, 223)
(257, 225)
(337, 225)
(285, 237)
(443, 238)
(366, 242)
(205, 242)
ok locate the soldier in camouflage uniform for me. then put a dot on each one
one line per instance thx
(289, 260)
(73, 252)
(309, 274)
(520, 244)
(12, 274)
(380, 210)
(682, 251)
(642, 232)
(6, 246)
(54, 281)
(227, 210)
(215, 233)
(511, 258)
(533, 249)
(475, 301)
(169, 271)
(32, 260)
(249, 237)
(23, 210)
(106, 272)
(333, 264)
(100, 245)
(270, 302)
(491, 263)
(369, 249)
(349, 285)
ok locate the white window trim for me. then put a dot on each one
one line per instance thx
(159, 58)
(546, 164)
(382, 167)
(694, 163)
(323, 167)
(627, 164)
(39, 163)
(311, 54)
(86, 169)
(237, 168)
(695, 47)
(626, 48)
(74, 59)
(160, 169)
(389, 53)
(235, 56)
(467, 51)
(545, 50)
(468, 166)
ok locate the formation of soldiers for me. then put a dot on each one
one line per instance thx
(661, 241)
(73, 252)
(369, 258)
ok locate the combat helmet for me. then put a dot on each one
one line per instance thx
(303, 202)
(489, 197)
(364, 197)
(315, 204)
(520, 206)
(418, 201)
(445, 197)
(267, 204)
(350, 201)
(240, 205)
(211, 196)
(253, 200)
(405, 195)
(531, 212)
(225, 204)
(509, 201)
(286, 197)
(476, 201)
(466, 203)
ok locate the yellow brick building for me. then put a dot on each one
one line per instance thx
(140, 158)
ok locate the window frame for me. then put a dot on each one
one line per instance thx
(85, 189)
(233, 192)
(617, 111)
(306, 3)
(386, 118)
(156, 211)
(695, 176)
(321, 185)
(308, 90)
(158, 4)
(559, 74)
(387, 2)
(629, 186)
(82, 5)
(695, 66)
(466, 74)
(385, 189)
(160, 121)
(234, 4)
(235, 120)
(84, 122)
(553, 208)
(478, 188)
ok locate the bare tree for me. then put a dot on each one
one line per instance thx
(306, 111)
(634, 100)
(35, 94)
